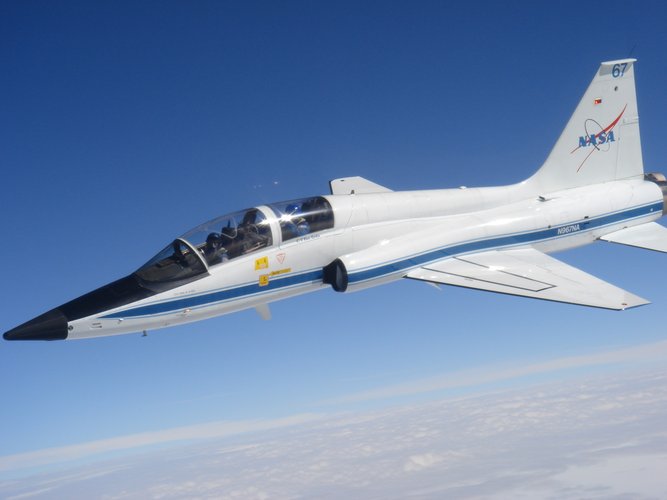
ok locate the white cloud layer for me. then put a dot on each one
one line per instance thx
(642, 353)
(602, 437)
(189, 433)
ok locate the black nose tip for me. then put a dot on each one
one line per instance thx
(51, 325)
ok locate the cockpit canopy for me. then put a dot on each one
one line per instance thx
(190, 256)
(302, 217)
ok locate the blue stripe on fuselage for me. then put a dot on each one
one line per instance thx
(501, 242)
(218, 296)
(388, 268)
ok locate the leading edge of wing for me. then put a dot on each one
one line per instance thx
(527, 273)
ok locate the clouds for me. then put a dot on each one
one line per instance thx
(557, 439)
(194, 432)
(475, 377)
(418, 462)
(596, 437)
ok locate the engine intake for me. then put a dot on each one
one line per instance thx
(335, 274)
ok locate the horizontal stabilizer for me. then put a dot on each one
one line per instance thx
(651, 236)
(356, 185)
(528, 273)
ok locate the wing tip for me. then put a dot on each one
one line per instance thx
(633, 304)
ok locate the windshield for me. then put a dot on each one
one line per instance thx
(209, 244)
(177, 262)
(301, 217)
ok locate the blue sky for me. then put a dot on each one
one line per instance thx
(126, 124)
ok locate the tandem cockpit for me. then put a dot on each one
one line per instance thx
(189, 257)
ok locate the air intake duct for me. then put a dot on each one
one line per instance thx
(335, 274)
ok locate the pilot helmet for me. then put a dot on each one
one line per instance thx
(214, 240)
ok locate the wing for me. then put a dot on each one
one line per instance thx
(528, 273)
(356, 185)
(651, 236)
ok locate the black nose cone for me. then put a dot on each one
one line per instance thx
(51, 325)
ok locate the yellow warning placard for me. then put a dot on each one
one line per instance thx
(261, 263)
(281, 271)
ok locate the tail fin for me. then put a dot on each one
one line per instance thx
(601, 141)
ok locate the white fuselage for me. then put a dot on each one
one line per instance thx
(592, 185)
(380, 237)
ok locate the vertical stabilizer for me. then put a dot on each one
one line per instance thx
(601, 141)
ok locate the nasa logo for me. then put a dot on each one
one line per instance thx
(596, 139)
(597, 136)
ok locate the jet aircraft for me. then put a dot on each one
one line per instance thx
(591, 187)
